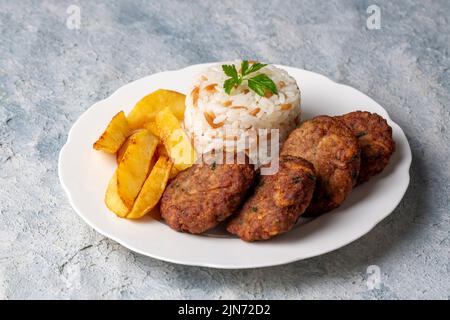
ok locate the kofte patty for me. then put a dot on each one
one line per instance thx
(335, 153)
(204, 195)
(375, 139)
(277, 201)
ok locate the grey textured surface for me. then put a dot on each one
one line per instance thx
(50, 74)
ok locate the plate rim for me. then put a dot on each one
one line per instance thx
(129, 246)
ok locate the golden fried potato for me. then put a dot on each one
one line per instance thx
(147, 108)
(181, 150)
(161, 150)
(135, 165)
(175, 140)
(121, 151)
(165, 124)
(152, 128)
(152, 189)
(113, 200)
(173, 173)
(123, 148)
(115, 134)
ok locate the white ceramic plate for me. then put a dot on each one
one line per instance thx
(84, 174)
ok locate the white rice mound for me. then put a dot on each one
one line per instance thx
(213, 117)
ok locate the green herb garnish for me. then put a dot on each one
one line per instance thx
(260, 83)
(213, 166)
(254, 209)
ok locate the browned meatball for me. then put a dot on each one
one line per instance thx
(375, 139)
(277, 202)
(334, 151)
(204, 195)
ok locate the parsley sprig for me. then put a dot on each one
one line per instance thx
(260, 83)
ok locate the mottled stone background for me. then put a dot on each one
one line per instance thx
(50, 74)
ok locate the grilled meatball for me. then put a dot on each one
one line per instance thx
(334, 151)
(204, 195)
(277, 202)
(375, 139)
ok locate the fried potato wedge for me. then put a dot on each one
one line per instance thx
(161, 150)
(113, 200)
(180, 150)
(173, 173)
(115, 134)
(175, 140)
(152, 128)
(147, 108)
(121, 151)
(124, 146)
(135, 165)
(152, 189)
(166, 123)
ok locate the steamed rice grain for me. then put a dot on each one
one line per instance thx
(216, 120)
